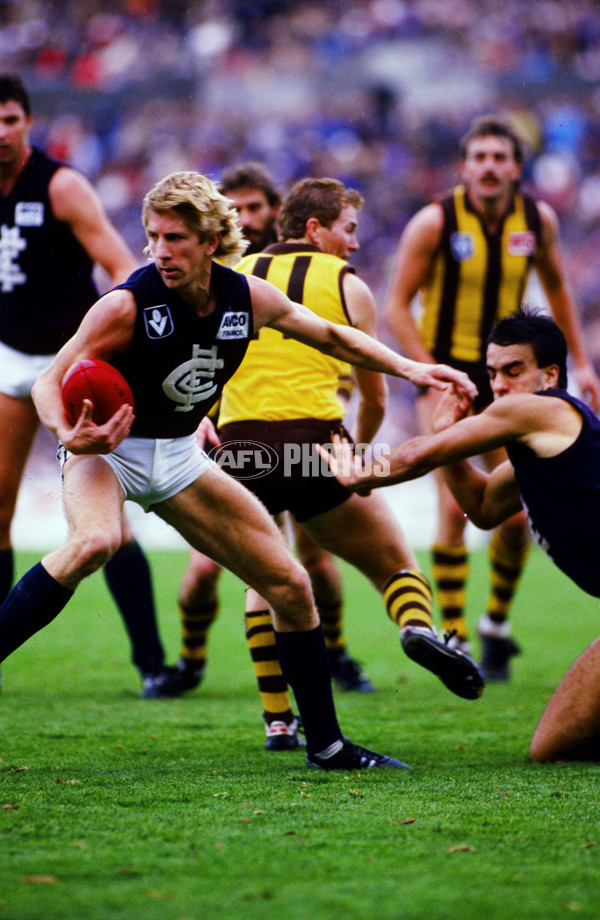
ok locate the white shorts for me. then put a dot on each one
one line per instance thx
(19, 371)
(152, 470)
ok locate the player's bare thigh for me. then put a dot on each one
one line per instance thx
(19, 425)
(571, 719)
(222, 519)
(93, 501)
(364, 531)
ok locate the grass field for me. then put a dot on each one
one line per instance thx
(113, 808)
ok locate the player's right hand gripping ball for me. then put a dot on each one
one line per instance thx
(98, 381)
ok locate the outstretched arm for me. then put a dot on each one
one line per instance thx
(487, 500)
(272, 308)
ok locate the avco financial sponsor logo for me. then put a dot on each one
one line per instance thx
(245, 459)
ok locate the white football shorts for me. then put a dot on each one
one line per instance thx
(19, 371)
(152, 470)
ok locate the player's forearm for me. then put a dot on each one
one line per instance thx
(368, 422)
(372, 402)
(404, 330)
(409, 460)
(48, 404)
(361, 350)
(415, 458)
(468, 486)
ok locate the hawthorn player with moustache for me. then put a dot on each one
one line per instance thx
(469, 256)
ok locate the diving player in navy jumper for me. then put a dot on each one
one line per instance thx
(178, 328)
(553, 445)
(53, 230)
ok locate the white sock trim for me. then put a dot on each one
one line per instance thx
(331, 750)
(488, 627)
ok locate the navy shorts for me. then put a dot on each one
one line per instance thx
(278, 462)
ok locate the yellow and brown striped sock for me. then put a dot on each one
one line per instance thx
(272, 686)
(450, 570)
(195, 623)
(331, 621)
(408, 599)
(507, 561)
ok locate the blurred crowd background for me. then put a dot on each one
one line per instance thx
(376, 93)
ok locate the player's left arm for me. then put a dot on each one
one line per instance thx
(549, 266)
(508, 419)
(75, 202)
(371, 386)
(272, 308)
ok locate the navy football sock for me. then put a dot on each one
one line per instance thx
(129, 580)
(7, 572)
(33, 603)
(305, 665)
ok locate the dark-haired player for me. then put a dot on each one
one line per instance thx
(53, 229)
(469, 256)
(553, 445)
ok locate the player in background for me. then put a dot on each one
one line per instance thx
(53, 231)
(284, 395)
(257, 200)
(469, 256)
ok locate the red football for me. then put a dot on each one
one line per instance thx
(99, 382)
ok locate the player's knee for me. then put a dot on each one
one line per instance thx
(199, 583)
(292, 599)
(323, 572)
(203, 570)
(515, 530)
(93, 548)
(542, 748)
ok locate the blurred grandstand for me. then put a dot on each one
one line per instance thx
(375, 92)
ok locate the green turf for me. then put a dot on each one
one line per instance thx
(113, 808)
